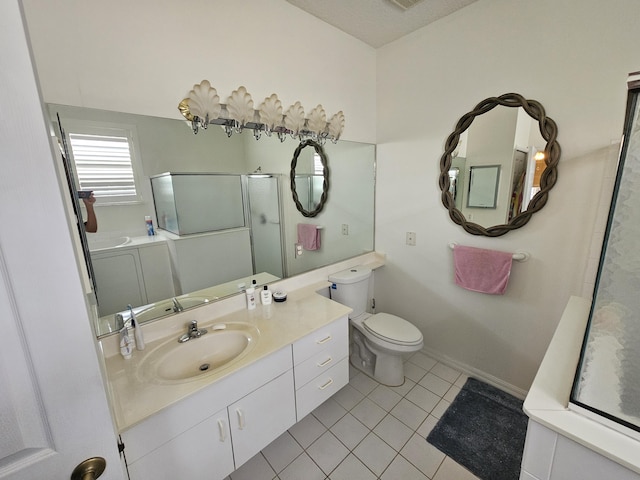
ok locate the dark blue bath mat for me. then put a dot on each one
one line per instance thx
(483, 430)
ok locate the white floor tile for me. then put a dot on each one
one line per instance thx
(409, 414)
(385, 397)
(327, 452)
(302, 467)
(452, 393)
(256, 468)
(413, 372)
(349, 431)
(439, 409)
(352, 469)
(462, 379)
(282, 451)
(375, 453)
(368, 413)
(427, 426)
(329, 412)
(400, 468)
(450, 470)
(393, 431)
(348, 397)
(403, 389)
(423, 398)
(363, 383)
(424, 456)
(435, 384)
(423, 361)
(357, 434)
(445, 372)
(307, 430)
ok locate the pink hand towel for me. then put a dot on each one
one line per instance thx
(480, 270)
(309, 236)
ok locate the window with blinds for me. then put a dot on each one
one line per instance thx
(104, 164)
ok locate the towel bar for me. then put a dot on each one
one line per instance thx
(518, 256)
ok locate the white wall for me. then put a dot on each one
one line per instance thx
(144, 56)
(572, 57)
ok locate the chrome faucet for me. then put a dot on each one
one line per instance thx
(192, 332)
(177, 307)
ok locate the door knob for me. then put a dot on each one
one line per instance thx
(90, 469)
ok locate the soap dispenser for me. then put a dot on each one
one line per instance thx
(265, 296)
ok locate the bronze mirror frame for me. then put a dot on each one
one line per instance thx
(325, 174)
(549, 132)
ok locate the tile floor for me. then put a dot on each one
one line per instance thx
(368, 431)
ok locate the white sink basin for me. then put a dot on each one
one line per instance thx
(108, 243)
(221, 347)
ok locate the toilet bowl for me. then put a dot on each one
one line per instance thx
(377, 341)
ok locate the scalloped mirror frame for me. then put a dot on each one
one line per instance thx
(548, 130)
(325, 174)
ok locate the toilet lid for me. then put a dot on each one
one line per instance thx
(393, 329)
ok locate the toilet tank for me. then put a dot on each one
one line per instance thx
(351, 288)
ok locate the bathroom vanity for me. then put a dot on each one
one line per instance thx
(209, 424)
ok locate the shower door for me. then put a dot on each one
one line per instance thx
(607, 382)
(266, 224)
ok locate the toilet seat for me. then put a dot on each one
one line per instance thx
(392, 329)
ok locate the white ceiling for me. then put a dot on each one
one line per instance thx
(378, 22)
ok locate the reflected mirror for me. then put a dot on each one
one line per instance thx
(499, 165)
(221, 208)
(309, 178)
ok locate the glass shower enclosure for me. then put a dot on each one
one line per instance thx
(607, 381)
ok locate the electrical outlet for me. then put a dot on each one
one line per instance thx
(298, 249)
(411, 238)
(345, 229)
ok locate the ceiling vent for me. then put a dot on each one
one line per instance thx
(406, 4)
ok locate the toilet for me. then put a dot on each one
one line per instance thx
(378, 341)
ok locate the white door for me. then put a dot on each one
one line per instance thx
(53, 407)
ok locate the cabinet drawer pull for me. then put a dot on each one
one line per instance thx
(324, 340)
(223, 431)
(240, 414)
(326, 384)
(325, 363)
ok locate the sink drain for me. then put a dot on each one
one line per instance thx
(204, 367)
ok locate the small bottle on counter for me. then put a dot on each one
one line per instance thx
(265, 296)
(149, 222)
(251, 298)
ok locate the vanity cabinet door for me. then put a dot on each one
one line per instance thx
(203, 451)
(261, 417)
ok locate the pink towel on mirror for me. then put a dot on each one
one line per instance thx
(480, 270)
(309, 236)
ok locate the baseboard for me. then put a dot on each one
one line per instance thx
(474, 372)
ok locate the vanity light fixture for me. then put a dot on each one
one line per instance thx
(202, 108)
(540, 155)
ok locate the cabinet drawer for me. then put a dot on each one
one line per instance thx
(317, 341)
(322, 361)
(321, 388)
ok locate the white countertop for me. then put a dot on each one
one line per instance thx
(280, 324)
(547, 402)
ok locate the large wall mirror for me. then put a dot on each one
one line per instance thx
(499, 165)
(222, 209)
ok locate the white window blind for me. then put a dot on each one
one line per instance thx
(318, 168)
(104, 164)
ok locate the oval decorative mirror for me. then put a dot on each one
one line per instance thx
(310, 182)
(496, 175)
